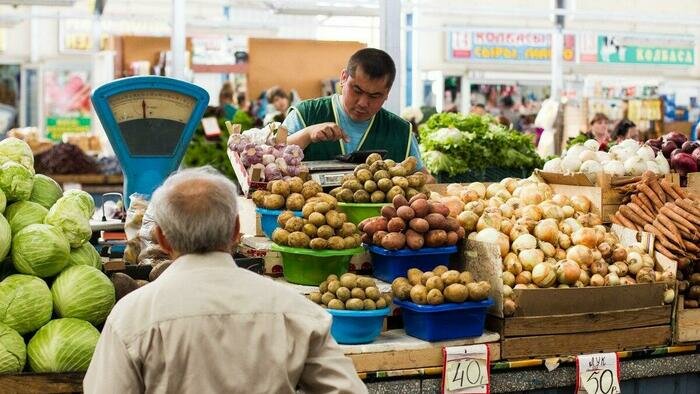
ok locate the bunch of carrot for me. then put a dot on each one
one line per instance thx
(667, 211)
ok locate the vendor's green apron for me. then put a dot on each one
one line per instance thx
(386, 131)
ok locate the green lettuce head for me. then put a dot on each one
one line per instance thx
(25, 303)
(83, 292)
(41, 250)
(16, 181)
(23, 213)
(14, 149)
(68, 215)
(85, 255)
(63, 345)
(83, 199)
(3, 201)
(46, 191)
(5, 237)
(13, 352)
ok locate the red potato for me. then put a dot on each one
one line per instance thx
(388, 211)
(436, 221)
(377, 224)
(406, 213)
(394, 241)
(420, 208)
(435, 238)
(438, 207)
(452, 224)
(377, 237)
(414, 240)
(452, 238)
(399, 201)
(419, 196)
(419, 225)
(396, 225)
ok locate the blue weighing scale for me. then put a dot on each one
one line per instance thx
(149, 122)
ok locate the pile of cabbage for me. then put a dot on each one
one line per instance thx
(628, 157)
(44, 239)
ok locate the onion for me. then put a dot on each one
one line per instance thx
(589, 219)
(529, 223)
(575, 150)
(547, 248)
(514, 202)
(508, 290)
(519, 286)
(510, 184)
(493, 189)
(591, 144)
(468, 195)
(627, 280)
(494, 202)
(584, 278)
(669, 278)
(508, 278)
(545, 190)
(518, 230)
(622, 268)
(564, 241)
(611, 239)
(454, 189)
(525, 241)
(568, 211)
(532, 212)
(602, 156)
(506, 210)
(669, 295)
(468, 220)
(664, 167)
(523, 278)
(530, 195)
(568, 272)
(653, 167)
(553, 165)
(645, 275)
(475, 206)
(509, 306)
(614, 269)
(479, 188)
(584, 236)
(506, 226)
(596, 254)
(635, 165)
(552, 211)
(597, 280)
(493, 236)
(547, 230)
(591, 167)
(503, 195)
(599, 267)
(512, 264)
(472, 236)
(489, 219)
(580, 254)
(587, 155)
(645, 153)
(560, 254)
(612, 279)
(569, 225)
(619, 254)
(530, 258)
(605, 250)
(614, 167)
(551, 261)
(570, 164)
(581, 203)
(560, 199)
(600, 232)
(543, 275)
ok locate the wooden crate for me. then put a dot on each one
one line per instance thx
(42, 383)
(686, 327)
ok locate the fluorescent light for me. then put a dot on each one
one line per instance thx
(58, 3)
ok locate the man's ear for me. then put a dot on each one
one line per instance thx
(236, 233)
(162, 241)
(344, 74)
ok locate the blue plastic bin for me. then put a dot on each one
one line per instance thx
(390, 264)
(268, 219)
(356, 327)
(444, 322)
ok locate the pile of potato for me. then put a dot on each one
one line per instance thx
(350, 292)
(379, 181)
(290, 194)
(439, 286)
(413, 223)
(321, 227)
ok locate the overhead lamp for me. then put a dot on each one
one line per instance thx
(57, 3)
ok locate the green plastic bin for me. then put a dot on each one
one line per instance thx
(358, 212)
(311, 267)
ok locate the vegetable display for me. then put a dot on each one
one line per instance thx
(65, 158)
(62, 345)
(351, 292)
(439, 286)
(290, 194)
(455, 144)
(683, 155)
(378, 181)
(13, 352)
(412, 224)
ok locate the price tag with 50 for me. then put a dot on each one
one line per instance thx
(466, 370)
(598, 374)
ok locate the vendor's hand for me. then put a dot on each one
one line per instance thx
(326, 132)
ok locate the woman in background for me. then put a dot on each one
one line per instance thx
(625, 129)
(599, 130)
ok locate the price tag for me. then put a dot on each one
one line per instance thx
(211, 127)
(466, 370)
(598, 374)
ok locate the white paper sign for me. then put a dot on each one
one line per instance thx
(598, 374)
(466, 370)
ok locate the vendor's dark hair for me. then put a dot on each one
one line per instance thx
(622, 128)
(375, 63)
(275, 92)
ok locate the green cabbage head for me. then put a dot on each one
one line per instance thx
(83, 199)
(46, 191)
(40, 249)
(13, 352)
(5, 237)
(3, 201)
(68, 215)
(85, 255)
(83, 292)
(14, 149)
(16, 181)
(23, 213)
(62, 345)
(25, 303)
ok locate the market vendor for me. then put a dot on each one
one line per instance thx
(354, 120)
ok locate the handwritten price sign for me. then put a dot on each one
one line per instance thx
(598, 374)
(466, 370)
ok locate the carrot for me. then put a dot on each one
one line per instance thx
(669, 234)
(614, 219)
(625, 181)
(679, 190)
(624, 221)
(658, 190)
(678, 220)
(651, 195)
(668, 189)
(660, 237)
(691, 247)
(688, 206)
(687, 214)
(671, 226)
(630, 214)
(640, 212)
(661, 249)
(647, 202)
(636, 200)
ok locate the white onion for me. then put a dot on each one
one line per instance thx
(587, 155)
(646, 153)
(664, 168)
(592, 145)
(614, 167)
(602, 156)
(491, 235)
(570, 164)
(553, 165)
(478, 187)
(493, 189)
(524, 241)
(634, 166)
(591, 167)
(629, 144)
(653, 166)
(575, 150)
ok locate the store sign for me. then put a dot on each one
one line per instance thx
(213, 51)
(511, 46)
(66, 102)
(626, 49)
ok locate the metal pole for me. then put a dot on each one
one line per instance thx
(177, 39)
(557, 51)
(390, 41)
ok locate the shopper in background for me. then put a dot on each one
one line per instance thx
(280, 101)
(226, 101)
(625, 129)
(478, 109)
(207, 326)
(508, 111)
(244, 114)
(599, 130)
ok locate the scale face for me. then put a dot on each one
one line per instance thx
(149, 122)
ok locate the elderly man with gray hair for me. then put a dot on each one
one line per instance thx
(207, 326)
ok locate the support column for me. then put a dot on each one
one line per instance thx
(177, 39)
(390, 42)
(557, 51)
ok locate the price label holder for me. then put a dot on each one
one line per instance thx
(598, 374)
(466, 370)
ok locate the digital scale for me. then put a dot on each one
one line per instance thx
(330, 173)
(149, 121)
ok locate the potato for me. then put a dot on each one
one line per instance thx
(354, 304)
(322, 207)
(310, 189)
(426, 275)
(336, 243)
(419, 294)
(361, 196)
(397, 171)
(280, 236)
(343, 293)
(283, 217)
(399, 201)
(369, 305)
(396, 225)
(310, 230)
(349, 280)
(378, 165)
(434, 282)
(358, 293)
(370, 186)
(419, 225)
(384, 184)
(465, 278)
(438, 207)
(342, 217)
(323, 287)
(372, 293)
(373, 157)
(400, 181)
(416, 180)
(414, 276)
(440, 269)
(410, 192)
(387, 297)
(435, 221)
(365, 238)
(398, 282)
(318, 244)
(307, 210)
(451, 224)
(332, 277)
(420, 208)
(317, 219)
(375, 224)
(327, 297)
(334, 285)
(450, 277)
(388, 211)
(452, 238)
(419, 196)
(334, 219)
(354, 185)
(296, 184)
(280, 187)
(405, 212)
(380, 303)
(478, 291)
(315, 297)
(258, 196)
(350, 242)
(298, 239)
(435, 238)
(393, 192)
(295, 202)
(394, 241)
(456, 292)
(294, 224)
(410, 164)
(377, 197)
(345, 195)
(325, 232)
(364, 282)
(327, 198)
(336, 304)
(363, 166)
(363, 175)
(414, 240)
(377, 237)
(123, 284)
(273, 201)
(435, 297)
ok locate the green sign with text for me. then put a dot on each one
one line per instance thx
(636, 50)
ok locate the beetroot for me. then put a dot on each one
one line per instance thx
(684, 163)
(676, 137)
(668, 147)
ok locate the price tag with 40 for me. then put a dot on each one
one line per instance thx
(466, 370)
